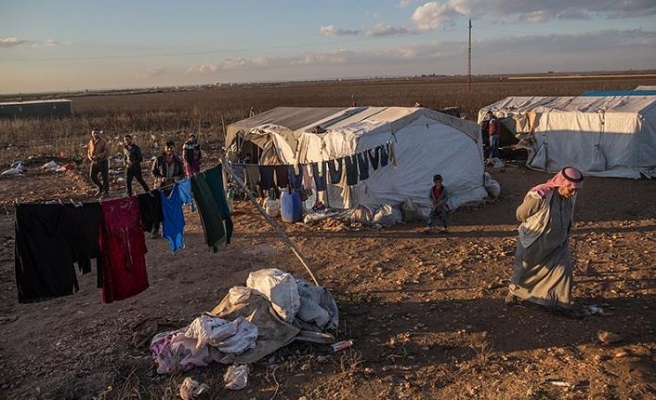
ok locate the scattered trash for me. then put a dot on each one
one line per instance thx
(594, 310)
(344, 344)
(558, 383)
(236, 377)
(607, 337)
(190, 389)
(49, 166)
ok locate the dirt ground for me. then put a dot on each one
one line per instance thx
(426, 313)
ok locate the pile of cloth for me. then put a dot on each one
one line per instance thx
(251, 322)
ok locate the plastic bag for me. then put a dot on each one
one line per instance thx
(236, 377)
(272, 207)
(493, 187)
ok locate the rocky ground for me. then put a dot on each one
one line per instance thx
(426, 313)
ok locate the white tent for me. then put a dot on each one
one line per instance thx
(611, 136)
(426, 142)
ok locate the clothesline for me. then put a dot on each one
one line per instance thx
(387, 143)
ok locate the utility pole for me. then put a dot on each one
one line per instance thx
(469, 78)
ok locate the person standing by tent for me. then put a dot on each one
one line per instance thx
(167, 169)
(494, 132)
(543, 267)
(133, 159)
(191, 155)
(439, 197)
(98, 154)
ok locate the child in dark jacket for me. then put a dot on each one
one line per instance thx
(439, 198)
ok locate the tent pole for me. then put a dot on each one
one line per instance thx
(270, 220)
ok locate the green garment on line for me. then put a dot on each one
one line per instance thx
(207, 188)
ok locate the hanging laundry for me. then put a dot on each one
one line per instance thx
(390, 152)
(123, 249)
(282, 176)
(363, 165)
(335, 170)
(84, 231)
(319, 174)
(253, 178)
(42, 254)
(384, 158)
(374, 157)
(266, 177)
(184, 186)
(150, 208)
(212, 210)
(351, 165)
(307, 177)
(173, 222)
(215, 181)
(295, 176)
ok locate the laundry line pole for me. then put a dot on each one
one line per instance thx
(270, 220)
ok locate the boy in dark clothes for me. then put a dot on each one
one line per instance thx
(439, 197)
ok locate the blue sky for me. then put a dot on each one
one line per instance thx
(89, 44)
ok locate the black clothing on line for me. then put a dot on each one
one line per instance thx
(351, 165)
(335, 169)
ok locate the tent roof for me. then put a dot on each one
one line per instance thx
(290, 117)
(606, 104)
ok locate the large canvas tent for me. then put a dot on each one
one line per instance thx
(426, 142)
(611, 136)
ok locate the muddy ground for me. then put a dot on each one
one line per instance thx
(426, 313)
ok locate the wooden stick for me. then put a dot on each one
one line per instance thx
(270, 220)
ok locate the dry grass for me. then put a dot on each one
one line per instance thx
(154, 117)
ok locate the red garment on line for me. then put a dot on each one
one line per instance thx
(123, 249)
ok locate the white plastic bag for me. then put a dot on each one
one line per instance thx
(279, 288)
(272, 207)
(236, 377)
(493, 187)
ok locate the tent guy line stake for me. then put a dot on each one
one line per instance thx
(270, 220)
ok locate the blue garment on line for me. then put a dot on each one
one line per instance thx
(351, 165)
(319, 180)
(363, 165)
(384, 157)
(185, 193)
(296, 181)
(173, 222)
(335, 170)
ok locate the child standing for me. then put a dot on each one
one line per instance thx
(439, 198)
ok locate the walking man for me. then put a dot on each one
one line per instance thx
(98, 153)
(133, 159)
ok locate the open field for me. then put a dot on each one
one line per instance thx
(426, 313)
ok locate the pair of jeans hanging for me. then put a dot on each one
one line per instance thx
(295, 179)
(363, 165)
(374, 157)
(351, 165)
(319, 176)
(335, 168)
(384, 157)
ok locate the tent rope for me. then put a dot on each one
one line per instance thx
(270, 220)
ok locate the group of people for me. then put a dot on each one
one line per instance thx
(543, 268)
(167, 168)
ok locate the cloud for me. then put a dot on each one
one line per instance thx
(11, 42)
(621, 50)
(386, 30)
(152, 72)
(46, 43)
(434, 15)
(403, 3)
(331, 30)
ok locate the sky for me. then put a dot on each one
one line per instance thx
(70, 45)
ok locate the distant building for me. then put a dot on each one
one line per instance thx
(37, 108)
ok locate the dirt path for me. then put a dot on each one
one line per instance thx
(426, 313)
